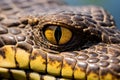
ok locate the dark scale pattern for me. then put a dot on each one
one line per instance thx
(94, 48)
(8, 39)
(3, 30)
(10, 22)
(14, 31)
(20, 38)
(99, 60)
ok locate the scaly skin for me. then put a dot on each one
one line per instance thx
(93, 53)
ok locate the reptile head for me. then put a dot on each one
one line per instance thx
(87, 51)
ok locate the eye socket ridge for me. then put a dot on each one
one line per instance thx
(57, 34)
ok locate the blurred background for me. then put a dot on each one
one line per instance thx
(112, 6)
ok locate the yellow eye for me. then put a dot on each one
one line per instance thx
(57, 35)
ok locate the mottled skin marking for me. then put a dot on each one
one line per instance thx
(93, 53)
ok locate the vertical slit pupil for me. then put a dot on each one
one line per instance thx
(58, 34)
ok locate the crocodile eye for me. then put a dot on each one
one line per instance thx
(57, 35)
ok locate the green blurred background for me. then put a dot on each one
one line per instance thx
(112, 6)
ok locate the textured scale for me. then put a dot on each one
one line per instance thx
(26, 55)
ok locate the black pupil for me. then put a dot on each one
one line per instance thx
(58, 34)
